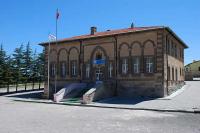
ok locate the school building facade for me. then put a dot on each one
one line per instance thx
(136, 61)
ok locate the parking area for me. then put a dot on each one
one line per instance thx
(22, 117)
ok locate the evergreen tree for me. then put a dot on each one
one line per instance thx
(5, 69)
(2, 64)
(40, 62)
(34, 66)
(22, 67)
(18, 64)
(28, 62)
(8, 70)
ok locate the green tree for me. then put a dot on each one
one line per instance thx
(2, 64)
(18, 64)
(8, 70)
(28, 62)
(5, 69)
(40, 62)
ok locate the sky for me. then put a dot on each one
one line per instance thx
(23, 21)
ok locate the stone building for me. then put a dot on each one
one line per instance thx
(136, 61)
(192, 71)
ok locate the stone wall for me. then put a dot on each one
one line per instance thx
(143, 86)
(174, 63)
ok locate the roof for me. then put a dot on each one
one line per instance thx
(116, 32)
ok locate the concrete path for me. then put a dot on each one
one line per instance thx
(186, 99)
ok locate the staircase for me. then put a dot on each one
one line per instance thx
(70, 91)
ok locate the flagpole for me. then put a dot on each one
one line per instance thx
(48, 67)
(57, 52)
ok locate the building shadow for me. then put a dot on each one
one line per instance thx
(123, 100)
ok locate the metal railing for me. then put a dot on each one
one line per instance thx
(14, 87)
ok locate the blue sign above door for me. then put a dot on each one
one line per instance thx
(99, 62)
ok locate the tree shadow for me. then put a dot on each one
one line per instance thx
(28, 95)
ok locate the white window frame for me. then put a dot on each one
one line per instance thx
(63, 69)
(99, 73)
(149, 65)
(74, 67)
(53, 69)
(87, 70)
(110, 69)
(124, 66)
(136, 65)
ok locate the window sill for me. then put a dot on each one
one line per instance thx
(148, 74)
(124, 75)
(136, 74)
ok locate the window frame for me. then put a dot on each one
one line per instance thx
(175, 51)
(72, 68)
(63, 75)
(126, 65)
(87, 72)
(110, 71)
(138, 65)
(169, 73)
(52, 69)
(153, 64)
(173, 74)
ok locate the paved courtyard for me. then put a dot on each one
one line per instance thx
(22, 117)
(186, 99)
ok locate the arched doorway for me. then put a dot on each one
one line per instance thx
(99, 63)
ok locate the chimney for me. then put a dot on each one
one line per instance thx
(93, 30)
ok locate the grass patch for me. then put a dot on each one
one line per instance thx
(72, 100)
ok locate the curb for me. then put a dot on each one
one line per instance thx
(20, 91)
(112, 107)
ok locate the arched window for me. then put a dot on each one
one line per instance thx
(74, 62)
(124, 58)
(136, 53)
(149, 56)
(63, 62)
